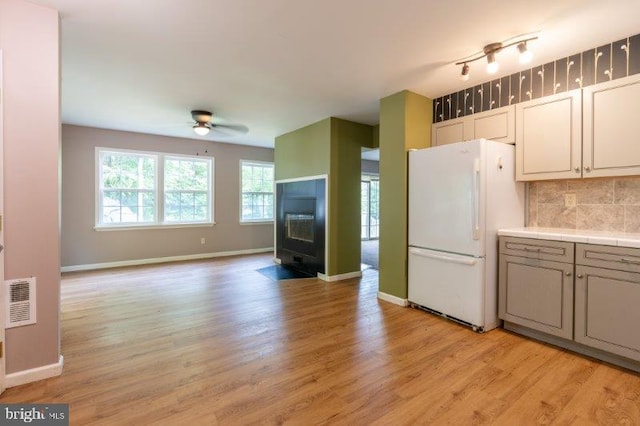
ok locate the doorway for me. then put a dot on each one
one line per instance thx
(370, 218)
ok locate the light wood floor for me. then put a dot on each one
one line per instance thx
(214, 342)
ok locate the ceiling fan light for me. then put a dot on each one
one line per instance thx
(201, 129)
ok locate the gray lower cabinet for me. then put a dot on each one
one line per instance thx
(596, 312)
(607, 308)
(535, 292)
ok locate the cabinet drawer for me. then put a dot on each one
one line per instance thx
(537, 294)
(620, 258)
(606, 310)
(557, 251)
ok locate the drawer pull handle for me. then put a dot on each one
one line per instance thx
(531, 249)
(568, 274)
(625, 260)
(579, 275)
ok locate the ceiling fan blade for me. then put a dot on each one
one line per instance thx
(229, 130)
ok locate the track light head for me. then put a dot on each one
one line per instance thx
(525, 54)
(492, 65)
(464, 76)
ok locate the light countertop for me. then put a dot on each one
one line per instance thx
(606, 238)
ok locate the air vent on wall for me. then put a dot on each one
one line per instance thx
(20, 299)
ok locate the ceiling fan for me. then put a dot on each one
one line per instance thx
(204, 124)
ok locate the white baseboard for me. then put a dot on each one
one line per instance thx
(340, 277)
(135, 262)
(34, 374)
(393, 299)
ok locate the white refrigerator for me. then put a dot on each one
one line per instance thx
(459, 196)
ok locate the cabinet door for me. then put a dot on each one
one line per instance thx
(606, 312)
(497, 124)
(611, 128)
(549, 137)
(450, 131)
(537, 294)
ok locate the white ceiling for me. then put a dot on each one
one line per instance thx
(278, 65)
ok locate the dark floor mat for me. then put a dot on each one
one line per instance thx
(279, 272)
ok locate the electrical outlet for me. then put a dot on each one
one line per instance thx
(569, 200)
(202, 240)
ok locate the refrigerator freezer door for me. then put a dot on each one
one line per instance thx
(446, 198)
(448, 283)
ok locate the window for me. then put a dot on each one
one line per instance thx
(146, 189)
(256, 180)
(127, 191)
(187, 185)
(369, 207)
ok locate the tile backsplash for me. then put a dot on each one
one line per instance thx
(604, 204)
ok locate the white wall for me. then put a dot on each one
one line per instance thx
(29, 41)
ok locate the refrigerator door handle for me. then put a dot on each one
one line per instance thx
(453, 259)
(476, 199)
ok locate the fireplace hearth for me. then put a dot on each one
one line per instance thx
(300, 225)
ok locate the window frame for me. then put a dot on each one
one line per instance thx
(158, 191)
(210, 161)
(260, 221)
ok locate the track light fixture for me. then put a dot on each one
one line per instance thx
(490, 51)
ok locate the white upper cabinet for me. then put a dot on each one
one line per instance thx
(548, 137)
(497, 124)
(449, 131)
(593, 132)
(611, 128)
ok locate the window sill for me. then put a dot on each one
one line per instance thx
(257, 222)
(101, 228)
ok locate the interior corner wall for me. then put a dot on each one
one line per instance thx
(330, 147)
(344, 226)
(82, 245)
(29, 40)
(405, 123)
(376, 136)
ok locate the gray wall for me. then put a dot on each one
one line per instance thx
(370, 167)
(81, 244)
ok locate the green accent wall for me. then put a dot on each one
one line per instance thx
(332, 147)
(405, 123)
(304, 152)
(374, 142)
(347, 140)
(376, 136)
